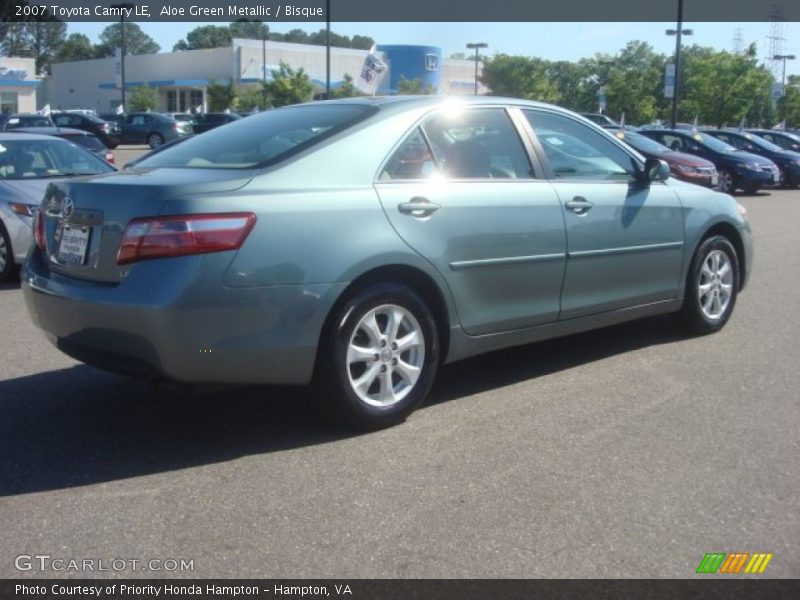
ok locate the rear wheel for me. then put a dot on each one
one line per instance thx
(378, 360)
(726, 185)
(155, 139)
(7, 265)
(711, 286)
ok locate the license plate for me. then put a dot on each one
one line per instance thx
(715, 180)
(73, 245)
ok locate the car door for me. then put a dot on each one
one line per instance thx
(624, 238)
(135, 129)
(461, 191)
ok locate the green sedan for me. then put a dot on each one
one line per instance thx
(359, 244)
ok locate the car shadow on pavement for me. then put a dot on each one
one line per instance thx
(80, 426)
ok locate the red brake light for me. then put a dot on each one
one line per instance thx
(38, 231)
(161, 237)
(110, 157)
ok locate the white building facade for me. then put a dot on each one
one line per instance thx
(181, 78)
(18, 85)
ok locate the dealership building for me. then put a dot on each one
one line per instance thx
(181, 78)
(18, 84)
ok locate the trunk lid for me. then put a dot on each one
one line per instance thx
(85, 217)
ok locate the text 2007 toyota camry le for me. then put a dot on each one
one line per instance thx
(360, 244)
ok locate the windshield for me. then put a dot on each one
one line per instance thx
(711, 142)
(263, 139)
(31, 159)
(87, 141)
(762, 143)
(28, 121)
(643, 144)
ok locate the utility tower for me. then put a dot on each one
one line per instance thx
(775, 38)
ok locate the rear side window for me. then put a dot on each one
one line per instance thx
(263, 139)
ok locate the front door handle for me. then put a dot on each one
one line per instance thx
(579, 205)
(418, 207)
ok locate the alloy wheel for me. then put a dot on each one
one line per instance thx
(725, 182)
(385, 355)
(3, 253)
(715, 287)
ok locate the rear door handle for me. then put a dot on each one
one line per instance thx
(579, 205)
(418, 207)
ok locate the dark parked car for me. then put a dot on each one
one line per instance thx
(81, 138)
(785, 139)
(737, 169)
(16, 121)
(211, 120)
(152, 129)
(482, 223)
(684, 166)
(600, 119)
(788, 161)
(107, 132)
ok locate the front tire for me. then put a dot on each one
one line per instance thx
(726, 182)
(7, 265)
(379, 357)
(711, 287)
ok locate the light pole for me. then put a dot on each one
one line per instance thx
(327, 49)
(678, 33)
(784, 58)
(124, 7)
(477, 46)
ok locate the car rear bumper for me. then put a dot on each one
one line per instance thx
(165, 321)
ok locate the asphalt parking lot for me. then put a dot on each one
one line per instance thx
(625, 452)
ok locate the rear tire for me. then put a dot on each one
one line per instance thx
(154, 140)
(711, 287)
(378, 358)
(8, 267)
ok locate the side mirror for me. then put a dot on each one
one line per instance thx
(655, 170)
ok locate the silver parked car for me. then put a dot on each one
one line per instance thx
(28, 164)
(359, 244)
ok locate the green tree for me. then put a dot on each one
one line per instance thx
(362, 42)
(221, 96)
(634, 83)
(722, 87)
(519, 77)
(249, 98)
(207, 36)
(40, 40)
(288, 86)
(142, 97)
(76, 47)
(136, 41)
(346, 89)
(249, 30)
(413, 87)
(789, 104)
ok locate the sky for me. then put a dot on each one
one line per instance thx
(545, 40)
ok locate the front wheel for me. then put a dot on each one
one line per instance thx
(154, 140)
(7, 265)
(726, 184)
(711, 287)
(378, 360)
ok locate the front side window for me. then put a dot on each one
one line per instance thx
(576, 151)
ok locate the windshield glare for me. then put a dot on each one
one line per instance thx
(713, 143)
(262, 139)
(644, 144)
(762, 143)
(31, 159)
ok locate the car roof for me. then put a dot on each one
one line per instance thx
(5, 136)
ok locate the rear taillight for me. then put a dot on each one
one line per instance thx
(110, 157)
(38, 231)
(161, 237)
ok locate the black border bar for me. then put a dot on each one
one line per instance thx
(477, 11)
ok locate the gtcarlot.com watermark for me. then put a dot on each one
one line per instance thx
(46, 563)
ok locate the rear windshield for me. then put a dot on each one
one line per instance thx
(265, 138)
(87, 141)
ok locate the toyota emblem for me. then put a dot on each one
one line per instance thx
(67, 208)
